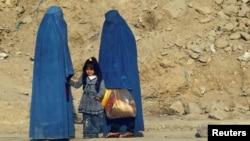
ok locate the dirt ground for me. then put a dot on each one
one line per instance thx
(184, 132)
(193, 59)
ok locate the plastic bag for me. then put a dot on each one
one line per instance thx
(120, 104)
(105, 97)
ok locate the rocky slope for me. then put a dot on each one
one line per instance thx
(193, 55)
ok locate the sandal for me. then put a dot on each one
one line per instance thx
(112, 135)
(127, 135)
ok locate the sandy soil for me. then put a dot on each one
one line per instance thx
(157, 128)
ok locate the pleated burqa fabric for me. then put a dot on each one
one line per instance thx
(118, 61)
(51, 111)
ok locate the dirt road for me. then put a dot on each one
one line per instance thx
(169, 128)
(160, 135)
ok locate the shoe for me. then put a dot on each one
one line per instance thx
(138, 134)
(112, 135)
(127, 135)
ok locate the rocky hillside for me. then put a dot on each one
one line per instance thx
(193, 55)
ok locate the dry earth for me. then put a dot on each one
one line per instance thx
(193, 57)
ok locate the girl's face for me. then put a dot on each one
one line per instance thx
(90, 71)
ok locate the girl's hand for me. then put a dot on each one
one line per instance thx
(97, 98)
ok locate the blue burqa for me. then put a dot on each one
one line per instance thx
(118, 61)
(51, 112)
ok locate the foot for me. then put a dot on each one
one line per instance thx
(127, 135)
(112, 135)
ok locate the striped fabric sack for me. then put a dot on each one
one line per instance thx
(119, 104)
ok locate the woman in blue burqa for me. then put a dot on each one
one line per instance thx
(118, 63)
(51, 112)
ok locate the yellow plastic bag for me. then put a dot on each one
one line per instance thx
(119, 104)
(105, 97)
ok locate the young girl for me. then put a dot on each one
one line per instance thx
(90, 104)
